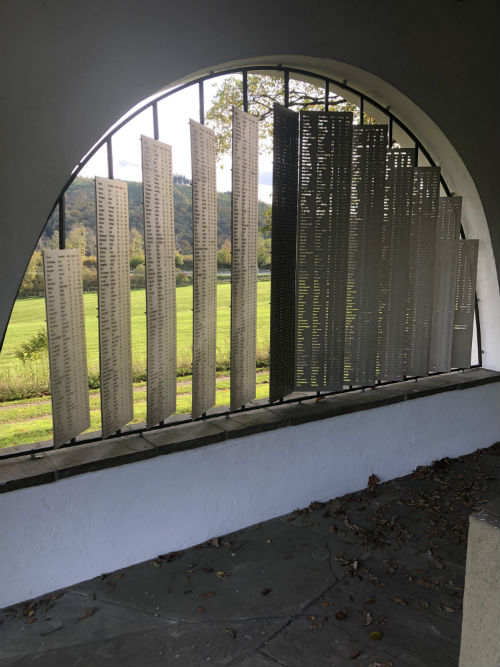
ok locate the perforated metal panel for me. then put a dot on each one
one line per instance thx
(244, 257)
(283, 249)
(445, 287)
(69, 384)
(464, 305)
(449, 215)
(445, 282)
(422, 258)
(365, 252)
(393, 275)
(322, 237)
(203, 161)
(159, 246)
(115, 351)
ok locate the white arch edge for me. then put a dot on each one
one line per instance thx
(442, 151)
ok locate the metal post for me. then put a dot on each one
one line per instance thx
(110, 158)
(245, 90)
(361, 109)
(390, 132)
(416, 154)
(287, 87)
(156, 127)
(62, 221)
(202, 103)
(327, 94)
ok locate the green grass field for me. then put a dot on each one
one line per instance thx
(29, 420)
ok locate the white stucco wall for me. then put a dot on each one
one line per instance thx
(58, 534)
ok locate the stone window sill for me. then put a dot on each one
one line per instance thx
(37, 467)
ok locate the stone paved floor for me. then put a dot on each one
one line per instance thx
(374, 578)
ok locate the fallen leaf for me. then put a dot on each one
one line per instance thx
(340, 615)
(207, 569)
(200, 609)
(375, 635)
(87, 614)
(210, 594)
(266, 591)
(401, 601)
(325, 603)
(319, 398)
(230, 631)
(373, 480)
(355, 655)
(222, 575)
(30, 620)
(333, 529)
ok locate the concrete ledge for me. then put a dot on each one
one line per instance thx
(42, 467)
(480, 644)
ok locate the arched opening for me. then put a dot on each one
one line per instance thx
(364, 97)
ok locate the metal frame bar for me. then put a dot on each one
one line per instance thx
(107, 140)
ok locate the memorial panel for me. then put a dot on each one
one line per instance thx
(203, 161)
(322, 240)
(365, 252)
(445, 287)
(244, 224)
(445, 281)
(69, 383)
(113, 262)
(159, 246)
(283, 249)
(465, 301)
(422, 260)
(393, 296)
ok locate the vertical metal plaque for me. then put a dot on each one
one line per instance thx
(445, 283)
(203, 161)
(365, 250)
(422, 259)
(159, 246)
(69, 384)
(322, 238)
(445, 287)
(464, 304)
(244, 222)
(113, 262)
(393, 276)
(283, 249)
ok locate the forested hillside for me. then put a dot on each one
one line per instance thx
(80, 210)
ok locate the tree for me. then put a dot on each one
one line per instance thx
(263, 91)
(224, 255)
(77, 238)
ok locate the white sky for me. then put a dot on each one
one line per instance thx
(174, 114)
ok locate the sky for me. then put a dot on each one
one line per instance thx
(174, 114)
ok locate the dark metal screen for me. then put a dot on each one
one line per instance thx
(365, 246)
(322, 238)
(393, 274)
(422, 259)
(464, 305)
(283, 248)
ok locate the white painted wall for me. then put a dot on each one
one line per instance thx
(61, 533)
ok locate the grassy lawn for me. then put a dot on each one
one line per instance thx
(29, 420)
